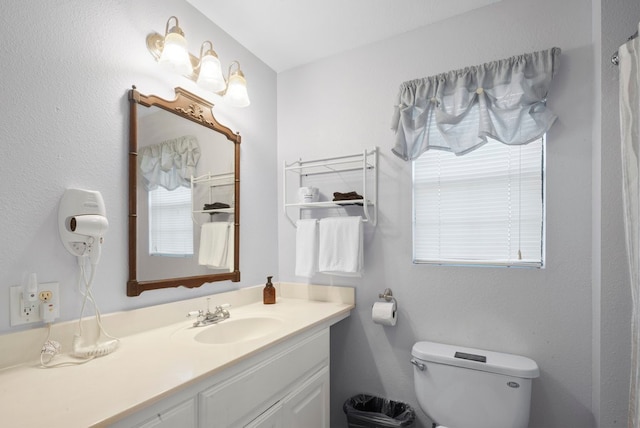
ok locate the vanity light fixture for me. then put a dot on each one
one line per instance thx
(236, 92)
(171, 51)
(175, 54)
(210, 70)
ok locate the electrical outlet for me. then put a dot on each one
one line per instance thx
(45, 296)
(28, 308)
(45, 308)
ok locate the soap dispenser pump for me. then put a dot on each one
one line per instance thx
(269, 292)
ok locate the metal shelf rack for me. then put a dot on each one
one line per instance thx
(212, 180)
(366, 162)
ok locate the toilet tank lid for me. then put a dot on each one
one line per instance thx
(477, 359)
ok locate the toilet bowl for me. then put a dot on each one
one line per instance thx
(459, 387)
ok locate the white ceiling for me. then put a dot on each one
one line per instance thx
(288, 33)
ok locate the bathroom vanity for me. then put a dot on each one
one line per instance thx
(286, 386)
(267, 365)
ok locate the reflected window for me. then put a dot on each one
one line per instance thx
(170, 223)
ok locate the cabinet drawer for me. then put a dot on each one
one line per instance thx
(271, 418)
(308, 406)
(240, 399)
(183, 415)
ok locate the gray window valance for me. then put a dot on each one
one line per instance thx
(457, 111)
(170, 164)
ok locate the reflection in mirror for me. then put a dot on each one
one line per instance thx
(184, 192)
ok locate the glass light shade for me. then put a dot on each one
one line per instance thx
(210, 76)
(237, 95)
(175, 54)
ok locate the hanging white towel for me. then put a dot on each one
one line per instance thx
(340, 246)
(306, 247)
(214, 245)
(230, 249)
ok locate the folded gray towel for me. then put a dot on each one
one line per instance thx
(337, 196)
(216, 206)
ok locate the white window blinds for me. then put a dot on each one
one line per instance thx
(483, 208)
(170, 223)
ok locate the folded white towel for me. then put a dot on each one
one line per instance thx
(214, 245)
(340, 246)
(306, 247)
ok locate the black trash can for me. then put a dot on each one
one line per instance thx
(368, 411)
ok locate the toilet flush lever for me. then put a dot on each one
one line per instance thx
(418, 364)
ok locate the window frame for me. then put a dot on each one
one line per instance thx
(508, 262)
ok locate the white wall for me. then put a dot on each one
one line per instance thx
(66, 69)
(344, 104)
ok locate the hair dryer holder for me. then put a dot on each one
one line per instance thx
(82, 222)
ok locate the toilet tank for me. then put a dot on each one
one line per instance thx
(460, 387)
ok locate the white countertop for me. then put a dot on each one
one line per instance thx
(153, 363)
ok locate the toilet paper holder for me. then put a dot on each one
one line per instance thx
(386, 312)
(388, 296)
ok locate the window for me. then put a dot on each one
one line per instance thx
(170, 223)
(483, 208)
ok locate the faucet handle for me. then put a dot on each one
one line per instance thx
(223, 309)
(194, 314)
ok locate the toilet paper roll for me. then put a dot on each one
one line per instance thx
(384, 313)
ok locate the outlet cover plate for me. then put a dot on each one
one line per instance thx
(15, 295)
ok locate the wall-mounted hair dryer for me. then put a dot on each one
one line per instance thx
(82, 223)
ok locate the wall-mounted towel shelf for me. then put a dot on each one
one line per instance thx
(353, 172)
(218, 210)
(212, 181)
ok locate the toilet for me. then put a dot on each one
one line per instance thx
(460, 387)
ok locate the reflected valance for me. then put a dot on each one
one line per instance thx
(456, 111)
(171, 163)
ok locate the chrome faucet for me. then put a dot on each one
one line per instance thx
(208, 317)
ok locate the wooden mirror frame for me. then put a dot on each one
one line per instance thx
(191, 107)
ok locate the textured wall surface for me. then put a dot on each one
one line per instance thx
(66, 70)
(544, 314)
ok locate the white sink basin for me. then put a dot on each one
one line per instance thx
(234, 330)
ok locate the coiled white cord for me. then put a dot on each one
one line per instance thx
(97, 349)
(51, 348)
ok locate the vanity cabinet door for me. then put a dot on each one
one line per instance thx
(242, 398)
(308, 405)
(183, 415)
(272, 418)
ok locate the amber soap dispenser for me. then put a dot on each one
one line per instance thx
(269, 292)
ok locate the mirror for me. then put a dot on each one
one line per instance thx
(184, 193)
